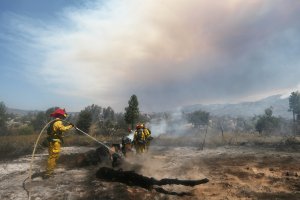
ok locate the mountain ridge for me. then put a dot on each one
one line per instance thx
(246, 109)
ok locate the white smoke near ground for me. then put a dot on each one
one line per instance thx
(172, 123)
(158, 127)
(131, 135)
(288, 92)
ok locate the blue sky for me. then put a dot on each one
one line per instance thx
(17, 88)
(169, 53)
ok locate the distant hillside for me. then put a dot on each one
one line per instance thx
(20, 112)
(246, 109)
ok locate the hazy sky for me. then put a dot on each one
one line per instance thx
(169, 53)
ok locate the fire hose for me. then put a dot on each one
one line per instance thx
(108, 148)
(34, 149)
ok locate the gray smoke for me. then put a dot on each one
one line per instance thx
(172, 123)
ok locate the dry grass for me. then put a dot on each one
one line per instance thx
(14, 146)
(229, 138)
(18, 145)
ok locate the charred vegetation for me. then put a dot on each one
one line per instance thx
(131, 178)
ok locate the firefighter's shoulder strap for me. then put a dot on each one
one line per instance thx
(50, 129)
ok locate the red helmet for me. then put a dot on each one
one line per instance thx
(59, 113)
(138, 126)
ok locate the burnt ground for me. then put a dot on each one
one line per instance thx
(234, 173)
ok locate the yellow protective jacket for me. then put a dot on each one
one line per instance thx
(56, 130)
(139, 136)
(146, 133)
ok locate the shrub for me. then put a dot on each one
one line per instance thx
(16, 145)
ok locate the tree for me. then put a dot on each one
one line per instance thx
(3, 118)
(198, 118)
(108, 114)
(267, 123)
(95, 111)
(84, 121)
(120, 120)
(42, 118)
(220, 124)
(39, 121)
(132, 112)
(108, 124)
(294, 104)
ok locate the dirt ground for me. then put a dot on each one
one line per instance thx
(233, 173)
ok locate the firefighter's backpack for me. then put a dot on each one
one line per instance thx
(140, 135)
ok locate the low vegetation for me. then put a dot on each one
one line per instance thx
(14, 146)
(19, 133)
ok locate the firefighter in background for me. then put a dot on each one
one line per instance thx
(139, 139)
(127, 143)
(126, 146)
(148, 137)
(55, 139)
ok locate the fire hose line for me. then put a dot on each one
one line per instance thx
(34, 149)
(108, 148)
(32, 158)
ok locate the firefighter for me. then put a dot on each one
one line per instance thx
(148, 137)
(126, 146)
(55, 139)
(139, 139)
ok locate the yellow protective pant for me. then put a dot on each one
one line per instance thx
(147, 145)
(54, 149)
(140, 148)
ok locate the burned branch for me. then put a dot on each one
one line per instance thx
(133, 179)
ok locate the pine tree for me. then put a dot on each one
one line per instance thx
(294, 104)
(132, 111)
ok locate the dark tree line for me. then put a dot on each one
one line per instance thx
(198, 118)
(3, 118)
(106, 120)
(102, 120)
(267, 123)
